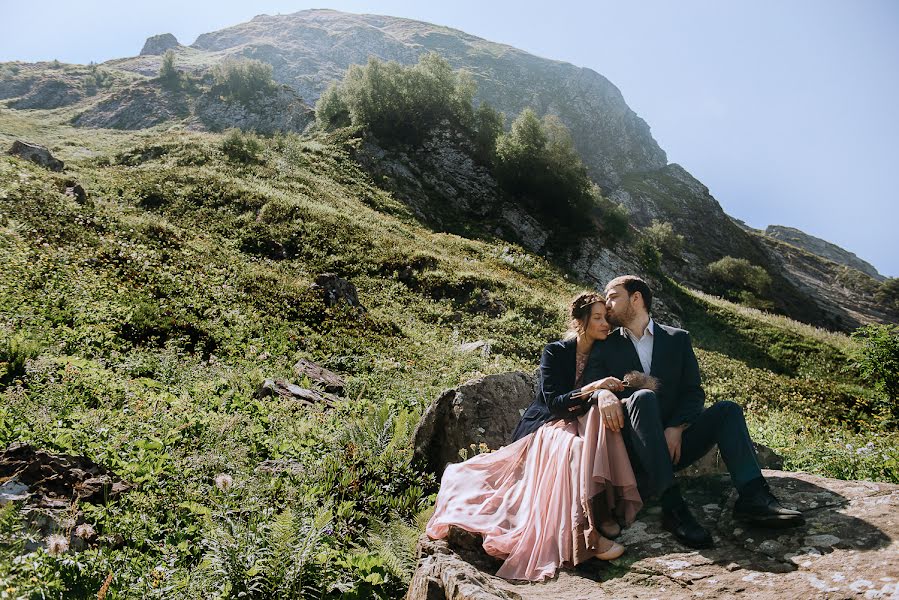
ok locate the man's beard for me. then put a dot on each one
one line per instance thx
(616, 320)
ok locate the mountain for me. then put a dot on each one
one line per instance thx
(309, 49)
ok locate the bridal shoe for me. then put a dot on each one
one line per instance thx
(614, 551)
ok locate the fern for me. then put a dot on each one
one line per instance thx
(396, 543)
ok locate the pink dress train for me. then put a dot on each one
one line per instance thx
(532, 500)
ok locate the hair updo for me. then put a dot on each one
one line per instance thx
(579, 310)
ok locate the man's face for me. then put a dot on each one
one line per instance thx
(619, 309)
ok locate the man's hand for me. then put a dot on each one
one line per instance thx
(610, 408)
(673, 438)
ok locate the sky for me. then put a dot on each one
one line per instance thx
(786, 110)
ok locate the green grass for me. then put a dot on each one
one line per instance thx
(138, 326)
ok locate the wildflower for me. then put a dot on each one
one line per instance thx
(57, 544)
(223, 481)
(85, 531)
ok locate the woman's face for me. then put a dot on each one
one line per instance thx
(597, 327)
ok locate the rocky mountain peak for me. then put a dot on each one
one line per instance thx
(158, 44)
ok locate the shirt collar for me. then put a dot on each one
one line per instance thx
(650, 331)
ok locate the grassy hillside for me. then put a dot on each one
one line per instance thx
(136, 328)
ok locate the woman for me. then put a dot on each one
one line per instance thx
(532, 500)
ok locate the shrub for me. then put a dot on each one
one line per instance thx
(168, 74)
(878, 358)
(242, 80)
(661, 235)
(242, 147)
(397, 103)
(538, 165)
(738, 279)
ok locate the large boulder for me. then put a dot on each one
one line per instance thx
(36, 154)
(848, 548)
(482, 411)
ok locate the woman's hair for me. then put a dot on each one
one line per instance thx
(579, 310)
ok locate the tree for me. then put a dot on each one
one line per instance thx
(398, 103)
(538, 165)
(489, 124)
(168, 74)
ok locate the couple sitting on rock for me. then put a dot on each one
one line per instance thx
(615, 416)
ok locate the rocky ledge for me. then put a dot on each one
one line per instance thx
(848, 548)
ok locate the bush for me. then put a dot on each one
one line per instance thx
(168, 74)
(242, 80)
(242, 147)
(878, 358)
(538, 165)
(397, 103)
(661, 235)
(739, 280)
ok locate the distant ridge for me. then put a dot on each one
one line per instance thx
(822, 248)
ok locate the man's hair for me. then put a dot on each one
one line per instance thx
(632, 284)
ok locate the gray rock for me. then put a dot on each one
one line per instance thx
(481, 411)
(279, 388)
(443, 575)
(336, 289)
(158, 44)
(36, 154)
(329, 380)
(855, 557)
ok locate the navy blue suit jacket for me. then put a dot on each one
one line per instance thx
(680, 394)
(553, 399)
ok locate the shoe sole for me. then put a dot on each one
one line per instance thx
(782, 521)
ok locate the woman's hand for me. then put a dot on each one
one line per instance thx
(613, 384)
(610, 408)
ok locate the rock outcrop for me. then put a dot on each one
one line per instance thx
(848, 548)
(822, 248)
(37, 154)
(49, 93)
(147, 103)
(158, 44)
(481, 411)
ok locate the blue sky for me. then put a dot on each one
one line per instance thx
(785, 110)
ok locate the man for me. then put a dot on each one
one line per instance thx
(669, 429)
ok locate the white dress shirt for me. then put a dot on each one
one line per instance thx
(643, 345)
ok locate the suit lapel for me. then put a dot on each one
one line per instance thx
(571, 360)
(659, 347)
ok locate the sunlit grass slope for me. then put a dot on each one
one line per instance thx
(137, 326)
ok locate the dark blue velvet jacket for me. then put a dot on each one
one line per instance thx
(553, 399)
